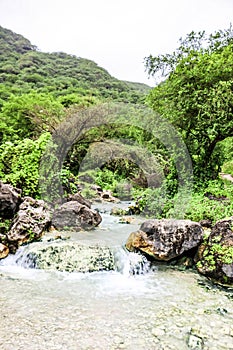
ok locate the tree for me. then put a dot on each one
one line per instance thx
(197, 94)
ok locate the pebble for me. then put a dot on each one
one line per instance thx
(195, 342)
(157, 332)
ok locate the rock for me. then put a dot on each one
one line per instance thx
(165, 239)
(126, 220)
(67, 256)
(226, 176)
(118, 211)
(75, 216)
(97, 188)
(134, 209)
(32, 219)
(195, 342)
(108, 197)
(10, 199)
(207, 223)
(158, 332)
(79, 198)
(4, 251)
(215, 256)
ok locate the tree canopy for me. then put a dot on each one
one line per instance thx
(197, 94)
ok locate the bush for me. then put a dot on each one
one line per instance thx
(107, 180)
(201, 207)
(227, 168)
(19, 163)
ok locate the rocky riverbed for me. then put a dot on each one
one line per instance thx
(162, 309)
(165, 309)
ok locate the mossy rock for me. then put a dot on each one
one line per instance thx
(68, 256)
(215, 256)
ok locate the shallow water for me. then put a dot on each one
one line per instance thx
(111, 310)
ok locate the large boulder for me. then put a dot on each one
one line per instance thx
(67, 256)
(215, 256)
(75, 216)
(10, 199)
(30, 222)
(165, 239)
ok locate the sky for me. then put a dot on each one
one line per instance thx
(116, 34)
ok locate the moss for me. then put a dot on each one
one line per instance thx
(214, 256)
(4, 226)
(224, 253)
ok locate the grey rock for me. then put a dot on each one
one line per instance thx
(75, 216)
(10, 198)
(79, 198)
(30, 222)
(166, 239)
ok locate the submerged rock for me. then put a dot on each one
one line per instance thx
(67, 256)
(75, 216)
(118, 211)
(127, 220)
(165, 239)
(215, 256)
(10, 199)
(32, 219)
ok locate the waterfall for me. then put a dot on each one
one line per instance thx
(130, 263)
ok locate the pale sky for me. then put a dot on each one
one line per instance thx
(116, 34)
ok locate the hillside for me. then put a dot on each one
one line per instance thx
(24, 68)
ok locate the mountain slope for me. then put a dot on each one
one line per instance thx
(23, 68)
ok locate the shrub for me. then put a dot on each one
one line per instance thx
(19, 163)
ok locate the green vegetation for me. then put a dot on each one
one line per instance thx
(197, 95)
(23, 68)
(215, 254)
(40, 91)
(4, 228)
(19, 163)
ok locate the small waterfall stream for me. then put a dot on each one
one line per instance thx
(129, 307)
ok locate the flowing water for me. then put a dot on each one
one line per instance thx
(160, 309)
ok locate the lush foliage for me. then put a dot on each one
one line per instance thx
(38, 91)
(24, 68)
(197, 95)
(19, 163)
(27, 115)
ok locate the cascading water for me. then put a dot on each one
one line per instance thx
(129, 263)
(128, 307)
(30, 256)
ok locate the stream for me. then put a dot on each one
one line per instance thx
(159, 309)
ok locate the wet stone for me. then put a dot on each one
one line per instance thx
(67, 256)
(157, 332)
(195, 342)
